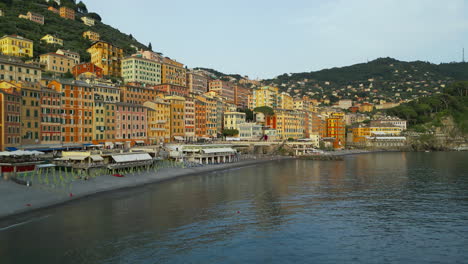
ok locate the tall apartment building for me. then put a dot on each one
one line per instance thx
(51, 116)
(189, 119)
(223, 89)
(14, 45)
(137, 94)
(173, 72)
(241, 96)
(159, 119)
(10, 114)
(171, 89)
(140, 70)
(265, 96)
(197, 82)
(30, 113)
(177, 123)
(107, 57)
(77, 110)
(131, 123)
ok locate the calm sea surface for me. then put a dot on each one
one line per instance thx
(373, 208)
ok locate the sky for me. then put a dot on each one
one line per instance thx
(266, 38)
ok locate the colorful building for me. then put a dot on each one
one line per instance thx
(77, 109)
(57, 63)
(287, 123)
(36, 18)
(171, 89)
(51, 116)
(366, 107)
(200, 118)
(223, 89)
(265, 96)
(140, 70)
(137, 94)
(159, 121)
(233, 120)
(107, 57)
(67, 13)
(30, 113)
(197, 82)
(336, 129)
(10, 115)
(285, 101)
(173, 72)
(88, 21)
(87, 67)
(70, 54)
(54, 10)
(14, 45)
(177, 123)
(13, 69)
(110, 123)
(91, 35)
(50, 39)
(241, 96)
(189, 119)
(131, 124)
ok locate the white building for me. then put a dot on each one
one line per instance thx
(88, 21)
(250, 131)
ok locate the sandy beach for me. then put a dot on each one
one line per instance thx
(19, 199)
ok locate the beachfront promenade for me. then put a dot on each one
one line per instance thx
(18, 198)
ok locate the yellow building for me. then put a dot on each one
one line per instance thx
(233, 120)
(18, 46)
(362, 132)
(177, 124)
(107, 57)
(265, 96)
(289, 124)
(30, 113)
(49, 39)
(285, 101)
(91, 35)
(159, 121)
(173, 72)
(88, 21)
(57, 63)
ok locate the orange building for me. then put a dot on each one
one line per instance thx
(107, 57)
(241, 96)
(10, 115)
(87, 68)
(173, 72)
(177, 123)
(336, 129)
(67, 13)
(54, 10)
(138, 94)
(224, 89)
(171, 89)
(77, 110)
(51, 116)
(200, 118)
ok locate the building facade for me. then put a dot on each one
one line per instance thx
(91, 35)
(107, 57)
(13, 45)
(173, 72)
(50, 39)
(67, 13)
(223, 89)
(70, 54)
(12, 69)
(87, 67)
(140, 70)
(57, 63)
(36, 18)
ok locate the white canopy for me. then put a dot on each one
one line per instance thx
(218, 150)
(20, 153)
(179, 138)
(131, 157)
(96, 158)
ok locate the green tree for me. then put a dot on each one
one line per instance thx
(230, 132)
(266, 110)
(150, 47)
(82, 7)
(249, 115)
(68, 75)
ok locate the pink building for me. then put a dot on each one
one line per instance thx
(131, 124)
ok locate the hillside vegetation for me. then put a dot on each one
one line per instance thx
(381, 79)
(68, 30)
(427, 113)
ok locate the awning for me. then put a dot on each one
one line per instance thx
(11, 148)
(139, 142)
(218, 150)
(179, 138)
(96, 158)
(118, 143)
(73, 158)
(109, 144)
(131, 157)
(43, 166)
(87, 144)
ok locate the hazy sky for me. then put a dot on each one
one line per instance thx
(265, 38)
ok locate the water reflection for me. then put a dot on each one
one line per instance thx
(364, 208)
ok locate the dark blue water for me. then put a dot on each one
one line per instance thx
(375, 208)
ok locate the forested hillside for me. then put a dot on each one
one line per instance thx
(68, 30)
